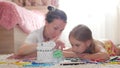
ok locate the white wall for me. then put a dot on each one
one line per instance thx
(101, 16)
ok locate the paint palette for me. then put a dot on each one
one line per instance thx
(72, 61)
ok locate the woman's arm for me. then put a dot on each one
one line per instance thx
(26, 49)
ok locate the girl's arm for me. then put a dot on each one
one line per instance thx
(100, 54)
(68, 53)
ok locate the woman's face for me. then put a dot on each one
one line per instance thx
(54, 29)
(78, 46)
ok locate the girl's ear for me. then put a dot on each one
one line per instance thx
(88, 42)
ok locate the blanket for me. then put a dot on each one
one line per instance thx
(9, 16)
(12, 14)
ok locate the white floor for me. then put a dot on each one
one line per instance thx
(9, 64)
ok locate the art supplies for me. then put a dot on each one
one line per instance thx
(46, 53)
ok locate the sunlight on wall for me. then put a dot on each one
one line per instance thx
(98, 15)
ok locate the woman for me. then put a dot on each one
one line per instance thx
(55, 23)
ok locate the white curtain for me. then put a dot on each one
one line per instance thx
(101, 16)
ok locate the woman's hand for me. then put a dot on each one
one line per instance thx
(59, 45)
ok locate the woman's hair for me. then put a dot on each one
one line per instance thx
(55, 13)
(83, 33)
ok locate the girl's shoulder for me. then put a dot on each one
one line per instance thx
(99, 43)
(99, 46)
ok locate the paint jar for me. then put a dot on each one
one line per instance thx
(46, 53)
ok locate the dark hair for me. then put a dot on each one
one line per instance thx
(55, 13)
(83, 33)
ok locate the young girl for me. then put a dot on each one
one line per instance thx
(85, 47)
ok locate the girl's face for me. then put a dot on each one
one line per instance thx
(78, 46)
(54, 29)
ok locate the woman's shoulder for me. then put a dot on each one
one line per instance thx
(37, 31)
